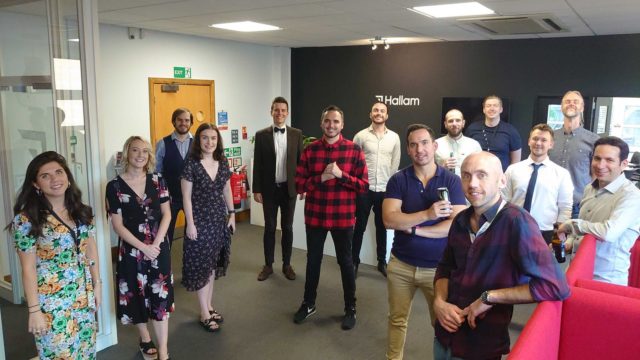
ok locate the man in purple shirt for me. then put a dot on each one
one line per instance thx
(495, 257)
(421, 219)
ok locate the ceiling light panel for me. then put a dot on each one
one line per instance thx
(245, 26)
(453, 10)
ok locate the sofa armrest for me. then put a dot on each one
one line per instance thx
(582, 264)
(540, 338)
(612, 289)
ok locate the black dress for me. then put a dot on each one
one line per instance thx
(211, 250)
(145, 287)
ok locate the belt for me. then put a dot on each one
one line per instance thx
(282, 184)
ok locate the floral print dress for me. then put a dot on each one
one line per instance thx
(145, 287)
(211, 250)
(65, 287)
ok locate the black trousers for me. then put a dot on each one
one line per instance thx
(287, 205)
(176, 207)
(315, 245)
(364, 203)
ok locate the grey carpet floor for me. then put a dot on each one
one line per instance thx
(258, 315)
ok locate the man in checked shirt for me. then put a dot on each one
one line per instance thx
(331, 171)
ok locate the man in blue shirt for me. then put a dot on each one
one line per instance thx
(421, 222)
(170, 154)
(496, 136)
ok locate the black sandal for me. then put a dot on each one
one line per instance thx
(206, 324)
(216, 316)
(145, 350)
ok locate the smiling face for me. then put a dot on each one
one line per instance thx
(492, 108)
(52, 180)
(378, 114)
(138, 154)
(182, 123)
(421, 147)
(279, 113)
(208, 141)
(482, 179)
(454, 123)
(540, 142)
(606, 165)
(331, 125)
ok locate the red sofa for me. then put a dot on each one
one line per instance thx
(598, 321)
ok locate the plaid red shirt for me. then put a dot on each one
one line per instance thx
(332, 204)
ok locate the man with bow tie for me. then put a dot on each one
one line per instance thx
(277, 151)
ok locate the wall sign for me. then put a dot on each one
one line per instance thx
(181, 72)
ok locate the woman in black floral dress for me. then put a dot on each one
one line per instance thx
(138, 206)
(210, 220)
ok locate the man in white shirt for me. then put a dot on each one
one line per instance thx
(277, 150)
(548, 196)
(609, 211)
(381, 148)
(454, 147)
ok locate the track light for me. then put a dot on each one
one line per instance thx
(379, 40)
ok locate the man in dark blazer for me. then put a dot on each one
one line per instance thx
(277, 151)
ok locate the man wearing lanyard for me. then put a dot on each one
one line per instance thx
(495, 136)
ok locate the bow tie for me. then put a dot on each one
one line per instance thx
(277, 129)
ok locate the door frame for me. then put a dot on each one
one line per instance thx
(152, 111)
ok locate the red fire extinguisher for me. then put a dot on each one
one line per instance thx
(236, 189)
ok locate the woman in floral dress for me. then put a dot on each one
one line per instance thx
(138, 205)
(54, 235)
(210, 220)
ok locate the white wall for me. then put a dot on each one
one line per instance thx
(247, 77)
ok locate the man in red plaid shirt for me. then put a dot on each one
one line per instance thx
(331, 172)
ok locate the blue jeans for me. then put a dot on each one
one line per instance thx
(442, 353)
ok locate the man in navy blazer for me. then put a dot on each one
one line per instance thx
(277, 151)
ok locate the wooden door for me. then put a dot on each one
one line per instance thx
(196, 95)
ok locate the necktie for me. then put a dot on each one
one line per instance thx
(531, 187)
(277, 129)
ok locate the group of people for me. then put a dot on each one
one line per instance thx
(472, 223)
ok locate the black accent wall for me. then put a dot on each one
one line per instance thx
(520, 70)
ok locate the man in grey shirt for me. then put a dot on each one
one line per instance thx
(574, 146)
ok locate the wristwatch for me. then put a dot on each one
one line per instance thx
(485, 298)
(413, 231)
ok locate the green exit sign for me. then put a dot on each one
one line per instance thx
(181, 72)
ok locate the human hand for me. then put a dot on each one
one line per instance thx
(451, 163)
(97, 293)
(477, 310)
(231, 224)
(326, 176)
(37, 323)
(334, 169)
(258, 197)
(151, 251)
(191, 232)
(302, 196)
(439, 209)
(449, 316)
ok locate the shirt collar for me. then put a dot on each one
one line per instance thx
(491, 213)
(174, 135)
(326, 144)
(613, 186)
(530, 161)
(370, 128)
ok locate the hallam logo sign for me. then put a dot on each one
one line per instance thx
(399, 100)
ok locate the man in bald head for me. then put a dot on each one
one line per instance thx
(495, 257)
(454, 147)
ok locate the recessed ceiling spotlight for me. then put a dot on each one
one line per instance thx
(453, 10)
(245, 26)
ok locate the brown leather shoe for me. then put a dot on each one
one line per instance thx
(288, 272)
(265, 273)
